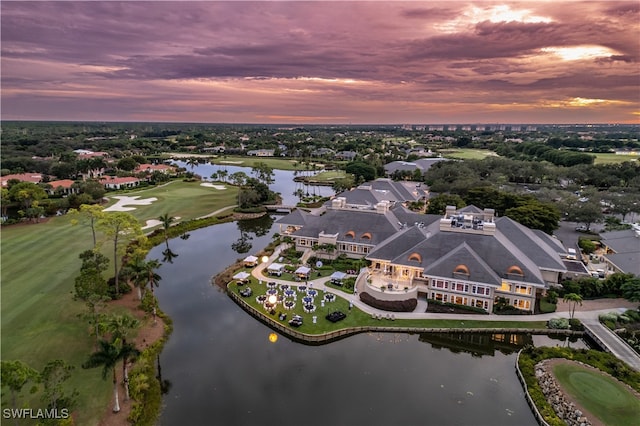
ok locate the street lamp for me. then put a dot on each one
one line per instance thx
(265, 259)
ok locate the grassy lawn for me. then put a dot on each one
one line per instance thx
(467, 153)
(274, 163)
(357, 318)
(329, 176)
(39, 266)
(322, 273)
(608, 158)
(177, 199)
(606, 398)
(546, 307)
(39, 316)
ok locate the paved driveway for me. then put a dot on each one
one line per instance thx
(569, 236)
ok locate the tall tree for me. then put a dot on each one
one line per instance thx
(166, 221)
(107, 356)
(439, 203)
(574, 299)
(53, 377)
(120, 327)
(90, 281)
(26, 193)
(89, 214)
(15, 375)
(192, 162)
(115, 226)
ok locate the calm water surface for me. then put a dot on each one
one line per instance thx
(223, 370)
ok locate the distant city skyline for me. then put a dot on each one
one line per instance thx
(319, 62)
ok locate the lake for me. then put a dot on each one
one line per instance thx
(223, 370)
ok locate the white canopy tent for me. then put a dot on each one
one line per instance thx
(241, 276)
(250, 261)
(275, 269)
(338, 276)
(303, 271)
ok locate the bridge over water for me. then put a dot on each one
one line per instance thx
(611, 342)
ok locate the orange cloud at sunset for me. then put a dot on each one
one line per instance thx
(322, 62)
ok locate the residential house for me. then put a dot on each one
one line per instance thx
(622, 251)
(150, 168)
(64, 186)
(22, 177)
(112, 182)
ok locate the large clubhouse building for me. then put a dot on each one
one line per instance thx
(467, 256)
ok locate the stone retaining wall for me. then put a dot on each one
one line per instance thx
(565, 409)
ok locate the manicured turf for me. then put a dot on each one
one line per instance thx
(329, 176)
(274, 163)
(603, 396)
(467, 153)
(39, 266)
(608, 158)
(186, 200)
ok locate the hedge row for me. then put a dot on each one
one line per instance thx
(389, 305)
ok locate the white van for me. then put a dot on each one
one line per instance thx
(571, 254)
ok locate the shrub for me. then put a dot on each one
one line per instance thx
(389, 305)
(558, 323)
(576, 324)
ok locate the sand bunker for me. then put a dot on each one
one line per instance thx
(124, 200)
(213, 185)
(232, 162)
(155, 222)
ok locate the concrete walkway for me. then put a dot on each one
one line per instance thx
(589, 318)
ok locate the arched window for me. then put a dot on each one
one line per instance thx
(350, 234)
(461, 269)
(415, 256)
(515, 270)
(366, 236)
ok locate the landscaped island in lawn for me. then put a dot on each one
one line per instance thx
(600, 386)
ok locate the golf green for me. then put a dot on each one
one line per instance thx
(604, 397)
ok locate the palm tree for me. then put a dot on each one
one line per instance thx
(152, 279)
(575, 299)
(166, 223)
(107, 356)
(120, 326)
(192, 162)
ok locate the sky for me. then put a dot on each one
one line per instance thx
(322, 62)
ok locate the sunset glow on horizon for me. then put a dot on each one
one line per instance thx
(320, 62)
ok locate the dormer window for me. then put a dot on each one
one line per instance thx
(350, 234)
(461, 270)
(515, 270)
(366, 236)
(416, 257)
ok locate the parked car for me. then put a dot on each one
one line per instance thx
(581, 228)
